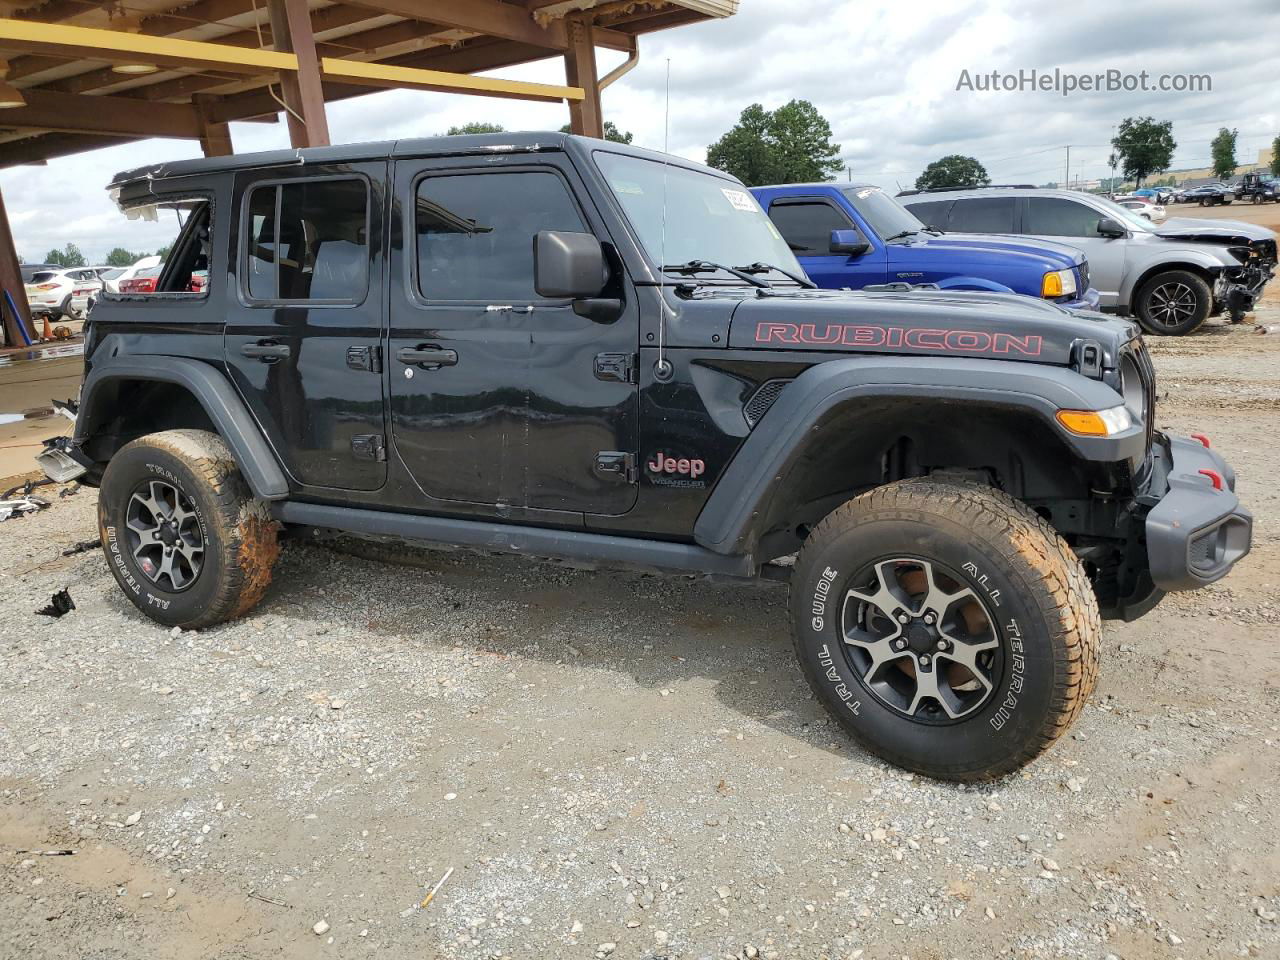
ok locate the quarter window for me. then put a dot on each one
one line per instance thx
(933, 213)
(983, 215)
(309, 240)
(475, 232)
(807, 226)
(1052, 217)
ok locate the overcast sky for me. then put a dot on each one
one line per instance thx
(883, 72)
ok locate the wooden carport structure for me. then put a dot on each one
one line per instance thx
(80, 74)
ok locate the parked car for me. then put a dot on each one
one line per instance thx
(62, 291)
(142, 281)
(1256, 188)
(1145, 193)
(1177, 195)
(1144, 208)
(112, 285)
(1170, 277)
(1209, 195)
(850, 236)
(566, 348)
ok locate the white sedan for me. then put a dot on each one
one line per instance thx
(1144, 208)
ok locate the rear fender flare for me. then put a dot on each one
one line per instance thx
(212, 391)
(730, 521)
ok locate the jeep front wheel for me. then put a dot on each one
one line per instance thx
(183, 535)
(946, 627)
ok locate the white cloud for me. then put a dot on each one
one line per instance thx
(882, 71)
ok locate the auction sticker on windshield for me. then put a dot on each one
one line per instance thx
(739, 199)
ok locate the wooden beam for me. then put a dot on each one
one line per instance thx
(49, 146)
(215, 138)
(303, 94)
(491, 18)
(585, 117)
(391, 77)
(118, 116)
(11, 283)
(116, 46)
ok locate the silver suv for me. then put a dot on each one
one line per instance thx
(1169, 276)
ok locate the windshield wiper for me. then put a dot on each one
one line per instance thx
(901, 235)
(761, 267)
(706, 266)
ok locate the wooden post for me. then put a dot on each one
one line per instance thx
(580, 71)
(303, 93)
(215, 137)
(11, 283)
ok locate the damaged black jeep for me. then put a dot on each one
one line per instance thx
(565, 348)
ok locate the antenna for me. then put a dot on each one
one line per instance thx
(662, 370)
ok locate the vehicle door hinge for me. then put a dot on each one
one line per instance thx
(616, 465)
(365, 358)
(368, 446)
(617, 367)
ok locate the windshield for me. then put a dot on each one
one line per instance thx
(707, 218)
(1125, 216)
(886, 215)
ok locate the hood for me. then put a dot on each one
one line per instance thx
(994, 326)
(1232, 232)
(1044, 254)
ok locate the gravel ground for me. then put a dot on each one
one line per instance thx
(617, 765)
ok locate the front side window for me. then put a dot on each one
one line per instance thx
(1054, 217)
(983, 215)
(807, 226)
(308, 240)
(475, 232)
(886, 215)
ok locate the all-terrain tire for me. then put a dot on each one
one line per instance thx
(1041, 605)
(237, 536)
(1148, 307)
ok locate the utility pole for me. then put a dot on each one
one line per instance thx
(1066, 180)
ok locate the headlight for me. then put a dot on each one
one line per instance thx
(1058, 283)
(1096, 423)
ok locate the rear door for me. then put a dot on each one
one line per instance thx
(806, 224)
(305, 318)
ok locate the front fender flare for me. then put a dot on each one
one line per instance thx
(730, 520)
(213, 392)
(973, 283)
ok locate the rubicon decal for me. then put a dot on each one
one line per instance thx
(890, 338)
(661, 463)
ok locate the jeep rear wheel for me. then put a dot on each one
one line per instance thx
(1175, 302)
(946, 627)
(183, 535)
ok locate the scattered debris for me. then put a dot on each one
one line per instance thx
(265, 899)
(82, 546)
(321, 928)
(49, 853)
(1267, 328)
(60, 605)
(21, 507)
(26, 487)
(434, 890)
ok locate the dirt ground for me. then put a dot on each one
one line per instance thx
(618, 765)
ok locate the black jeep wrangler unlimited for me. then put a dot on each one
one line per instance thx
(565, 348)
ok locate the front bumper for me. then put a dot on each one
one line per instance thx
(1089, 300)
(1195, 533)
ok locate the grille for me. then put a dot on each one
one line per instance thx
(762, 400)
(1084, 278)
(1147, 375)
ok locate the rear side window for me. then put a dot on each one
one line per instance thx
(475, 232)
(807, 226)
(308, 240)
(933, 213)
(1052, 217)
(983, 215)
(43, 276)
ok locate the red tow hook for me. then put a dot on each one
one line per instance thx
(1203, 439)
(1214, 477)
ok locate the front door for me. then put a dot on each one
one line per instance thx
(304, 319)
(503, 402)
(1076, 223)
(806, 224)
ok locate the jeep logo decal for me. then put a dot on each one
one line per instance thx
(920, 338)
(661, 463)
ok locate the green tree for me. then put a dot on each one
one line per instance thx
(611, 132)
(163, 252)
(953, 170)
(1223, 151)
(791, 144)
(476, 126)
(1275, 157)
(68, 256)
(120, 257)
(1144, 146)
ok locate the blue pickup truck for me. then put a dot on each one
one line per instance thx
(849, 236)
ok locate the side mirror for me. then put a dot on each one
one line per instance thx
(568, 265)
(1110, 228)
(848, 242)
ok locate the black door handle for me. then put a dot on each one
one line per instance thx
(427, 356)
(268, 351)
